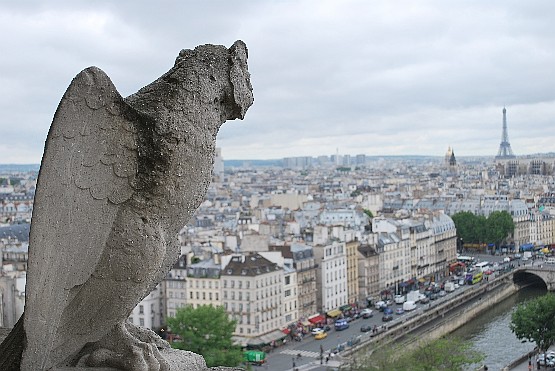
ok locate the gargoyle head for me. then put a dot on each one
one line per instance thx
(218, 76)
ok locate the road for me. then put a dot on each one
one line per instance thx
(284, 357)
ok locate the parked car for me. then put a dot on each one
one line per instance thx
(442, 293)
(317, 330)
(546, 359)
(433, 296)
(387, 317)
(366, 313)
(321, 335)
(425, 300)
(399, 311)
(387, 310)
(365, 328)
(399, 299)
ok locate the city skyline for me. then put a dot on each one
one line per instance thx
(379, 78)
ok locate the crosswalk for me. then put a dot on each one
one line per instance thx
(303, 353)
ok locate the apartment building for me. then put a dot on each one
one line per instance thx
(331, 278)
(203, 282)
(252, 293)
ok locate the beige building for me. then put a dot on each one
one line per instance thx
(203, 283)
(351, 248)
(368, 274)
(302, 257)
(252, 294)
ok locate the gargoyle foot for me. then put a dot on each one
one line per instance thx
(129, 348)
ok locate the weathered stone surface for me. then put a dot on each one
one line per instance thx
(119, 178)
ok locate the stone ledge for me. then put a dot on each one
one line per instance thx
(179, 360)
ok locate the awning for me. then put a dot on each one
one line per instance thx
(316, 319)
(526, 246)
(267, 338)
(334, 313)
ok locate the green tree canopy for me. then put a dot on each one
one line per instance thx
(499, 225)
(479, 229)
(447, 353)
(207, 331)
(534, 320)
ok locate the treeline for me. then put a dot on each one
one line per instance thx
(477, 229)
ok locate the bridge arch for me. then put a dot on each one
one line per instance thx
(527, 276)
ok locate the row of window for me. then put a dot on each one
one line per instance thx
(204, 283)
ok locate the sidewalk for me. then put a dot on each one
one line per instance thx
(521, 364)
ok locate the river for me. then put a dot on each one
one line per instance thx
(491, 335)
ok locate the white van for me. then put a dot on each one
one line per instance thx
(409, 305)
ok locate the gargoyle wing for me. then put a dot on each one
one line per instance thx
(88, 169)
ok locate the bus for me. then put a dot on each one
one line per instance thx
(473, 277)
(465, 259)
(482, 266)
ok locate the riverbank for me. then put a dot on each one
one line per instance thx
(437, 321)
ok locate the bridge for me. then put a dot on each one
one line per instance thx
(533, 272)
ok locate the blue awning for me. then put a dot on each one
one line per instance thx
(527, 246)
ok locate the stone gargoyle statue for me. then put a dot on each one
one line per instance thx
(119, 178)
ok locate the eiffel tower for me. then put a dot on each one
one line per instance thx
(505, 152)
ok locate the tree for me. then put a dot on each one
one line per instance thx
(499, 225)
(206, 330)
(465, 223)
(478, 229)
(534, 320)
(447, 353)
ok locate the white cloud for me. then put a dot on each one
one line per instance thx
(380, 77)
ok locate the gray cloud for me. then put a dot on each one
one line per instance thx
(380, 77)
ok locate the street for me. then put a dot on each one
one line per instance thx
(284, 357)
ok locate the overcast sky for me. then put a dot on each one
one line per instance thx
(354, 77)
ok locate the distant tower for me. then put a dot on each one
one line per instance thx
(505, 151)
(450, 160)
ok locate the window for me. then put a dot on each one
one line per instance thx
(287, 280)
(141, 309)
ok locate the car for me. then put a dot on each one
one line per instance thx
(387, 310)
(442, 293)
(425, 300)
(399, 299)
(399, 311)
(387, 318)
(433, 296)
(321, 335)
(365, 328)
(546, 359)
(366, 313)
(488, 271)
(317, 330)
